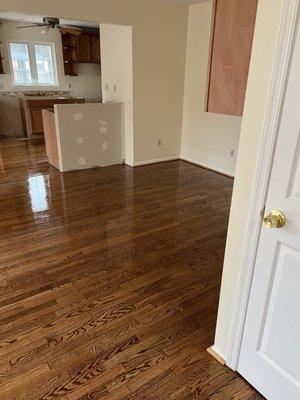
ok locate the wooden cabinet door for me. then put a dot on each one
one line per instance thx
(1, 64)
(36, 120)
(84, 48)
(234, 22)
(34, 109)
(50, 137)
(69, 46)
(95, 41)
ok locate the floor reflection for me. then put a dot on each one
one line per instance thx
(38, 193)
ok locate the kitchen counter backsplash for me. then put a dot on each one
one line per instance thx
(38, 93)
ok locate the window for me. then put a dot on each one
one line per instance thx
(33, 64)
(20, 63)
(44, 64)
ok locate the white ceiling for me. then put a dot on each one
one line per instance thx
(13, 16)
(187, 2)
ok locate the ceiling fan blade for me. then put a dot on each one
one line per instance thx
(36, 25)
(69, 29)
(76, 28)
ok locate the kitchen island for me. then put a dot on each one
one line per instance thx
(82, 136)
(31, 111)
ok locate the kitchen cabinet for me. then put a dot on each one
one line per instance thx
(69, 46)
(31, 111)
(1, 63)
(84, 48)
(50, 137)
(95, 43)
(232, 37)
(88, 47)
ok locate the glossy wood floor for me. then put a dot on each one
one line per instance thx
(109, 281)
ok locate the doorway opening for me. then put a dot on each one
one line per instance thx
(48, 63)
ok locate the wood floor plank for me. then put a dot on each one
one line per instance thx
(109, 280)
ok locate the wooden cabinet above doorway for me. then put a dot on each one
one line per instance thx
(232, 37)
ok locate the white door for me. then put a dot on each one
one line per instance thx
(270, 354)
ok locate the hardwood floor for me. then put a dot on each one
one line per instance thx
(109, 281)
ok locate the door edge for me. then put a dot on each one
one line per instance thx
(287, 32)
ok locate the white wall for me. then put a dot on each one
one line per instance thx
(88, 82)
(207, 139)
(261, 69)
(10, 116)
(117, 78)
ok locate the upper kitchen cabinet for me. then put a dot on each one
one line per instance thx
(1, 63)
(69, 46)
(232, 37)
(84, 48)
(1, 66)
(88, 47)
(95, 43)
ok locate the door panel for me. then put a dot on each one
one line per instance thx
(294, 184)
(281, 308)
(270, 352)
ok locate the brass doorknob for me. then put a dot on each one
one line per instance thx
(276, 219)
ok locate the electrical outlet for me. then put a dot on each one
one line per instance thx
(1, 85)
(232, 153)
(106, 87)
(159, 142)
(115, 87)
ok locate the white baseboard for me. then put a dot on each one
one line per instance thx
(159, 160)
(129, 163)
(216, 354)
(147, 162)
(206, 166)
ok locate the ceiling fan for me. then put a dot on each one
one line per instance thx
(53, 23)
